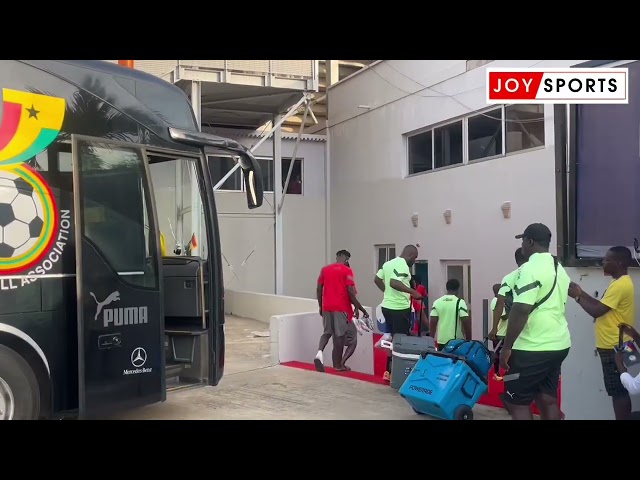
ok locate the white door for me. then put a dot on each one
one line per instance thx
(461, 271)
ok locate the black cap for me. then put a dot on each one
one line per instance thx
(538, 232)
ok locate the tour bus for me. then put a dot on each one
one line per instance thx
(101, 166)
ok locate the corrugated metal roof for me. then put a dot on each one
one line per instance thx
(225, 132)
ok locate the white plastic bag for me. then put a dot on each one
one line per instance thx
(362, 325)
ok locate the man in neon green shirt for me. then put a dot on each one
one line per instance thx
(537, 339)
(394, 279)
(503, 302)
(498, 331)
(450, 316)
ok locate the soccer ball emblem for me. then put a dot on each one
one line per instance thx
(21, 215)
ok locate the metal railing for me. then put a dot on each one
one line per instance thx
(304, 69)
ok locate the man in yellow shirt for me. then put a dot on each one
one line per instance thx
(616, 306)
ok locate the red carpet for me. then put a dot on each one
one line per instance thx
(331, 371)
(491, 398)
(379, 358)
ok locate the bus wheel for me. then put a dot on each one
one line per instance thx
(19, 391)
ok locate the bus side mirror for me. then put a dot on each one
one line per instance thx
(252, 181)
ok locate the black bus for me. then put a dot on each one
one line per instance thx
(100, 167)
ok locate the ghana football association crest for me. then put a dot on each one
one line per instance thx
(33, 232)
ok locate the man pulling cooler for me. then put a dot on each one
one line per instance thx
(537, 340)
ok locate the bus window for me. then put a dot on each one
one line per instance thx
(181, 215)
(64, 162)
(115, 210)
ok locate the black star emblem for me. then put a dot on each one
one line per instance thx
(33, 112)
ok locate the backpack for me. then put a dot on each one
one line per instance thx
(476, 354)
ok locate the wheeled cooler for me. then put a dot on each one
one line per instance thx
(405, 354)
(443, 385)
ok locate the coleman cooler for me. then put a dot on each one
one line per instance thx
(443, 385)
(406, 351)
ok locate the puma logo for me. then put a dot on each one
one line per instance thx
(113, 297)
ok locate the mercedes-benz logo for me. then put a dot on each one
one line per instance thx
(138, 357)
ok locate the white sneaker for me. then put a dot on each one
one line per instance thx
(318, 362)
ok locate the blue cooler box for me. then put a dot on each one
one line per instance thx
(443, 385)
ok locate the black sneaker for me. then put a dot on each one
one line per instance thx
(318, 363)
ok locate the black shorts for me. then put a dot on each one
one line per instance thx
(611, 376)
(531, 374)
(399, 320)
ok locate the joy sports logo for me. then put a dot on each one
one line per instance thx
(28, 212)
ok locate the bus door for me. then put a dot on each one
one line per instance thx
(119, 302)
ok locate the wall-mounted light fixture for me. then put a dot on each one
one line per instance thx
(506, 209)
(447, 216)
(414, 219)
(365, 107)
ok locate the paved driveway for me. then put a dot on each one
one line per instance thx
(253, 388)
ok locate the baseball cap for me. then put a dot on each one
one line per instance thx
(536, 232)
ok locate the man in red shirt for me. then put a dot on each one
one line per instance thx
(420, 319)
(336, 293)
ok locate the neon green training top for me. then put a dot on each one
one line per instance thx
(399, 270)
(502, 324)
(445, 309)
(546, 328)
(506, 288)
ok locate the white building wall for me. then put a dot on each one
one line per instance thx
(371, 201)
(247, 236)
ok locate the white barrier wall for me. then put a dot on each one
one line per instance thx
(295, 337)
(262, 306)
(295, 327)
(583, 393)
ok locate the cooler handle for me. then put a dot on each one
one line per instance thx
(464, 391)
(486, 347)
(452, 356)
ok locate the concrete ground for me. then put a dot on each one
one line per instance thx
(254, 388)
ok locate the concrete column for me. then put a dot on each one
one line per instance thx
(333, 71)
(277, 198)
